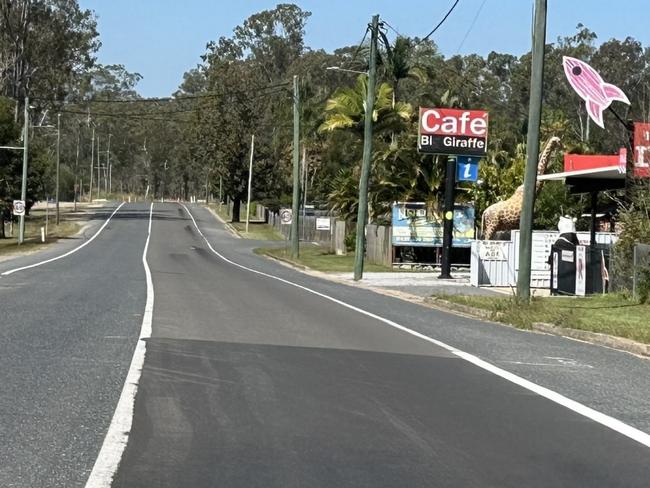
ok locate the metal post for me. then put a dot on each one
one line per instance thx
(362, 213)
(23, 187)
(295, 203)
(532, 146)
(250, 180)
(448, 219)
(58, 163)
(594, 205)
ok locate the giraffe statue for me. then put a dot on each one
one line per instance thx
(504, 215)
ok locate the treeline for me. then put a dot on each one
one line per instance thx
(197, 142)
(244, 76)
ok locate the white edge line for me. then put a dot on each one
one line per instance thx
(117, 436)
(614, 424)
(40, 263)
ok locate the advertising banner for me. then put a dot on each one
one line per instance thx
(453, 131)
(641, 150)
(415, 225)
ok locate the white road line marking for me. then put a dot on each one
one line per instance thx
(607, 421)
(117, 436)
(11, 271)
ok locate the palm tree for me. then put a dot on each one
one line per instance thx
(346, 109)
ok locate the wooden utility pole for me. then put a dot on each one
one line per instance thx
(295, 202)
(250, 181)
(362, 212)
(532, 148)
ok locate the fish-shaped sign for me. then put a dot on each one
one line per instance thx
(587, 83)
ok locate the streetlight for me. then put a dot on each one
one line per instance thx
(338, 68)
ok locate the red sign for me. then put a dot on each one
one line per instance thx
(641, 150)
(453, 131)
(577, 162)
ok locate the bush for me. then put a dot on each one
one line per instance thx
(643, 285)
(351, 241)
(635, 224)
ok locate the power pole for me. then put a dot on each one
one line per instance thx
(295, 203)
(448, 219)
(76, 169)
(99, 175)
(362, 213)
(304, 189)
(108, 164)
(92, 162)
(58, 163)
(250, 181)
(23, 187)
(532, 146)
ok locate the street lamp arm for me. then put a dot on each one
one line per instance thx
(337, 68)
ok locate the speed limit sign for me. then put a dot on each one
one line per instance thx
(286, 216)
(19, 207)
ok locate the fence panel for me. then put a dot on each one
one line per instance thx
(378, 245)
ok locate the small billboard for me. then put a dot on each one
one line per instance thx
(415, 225)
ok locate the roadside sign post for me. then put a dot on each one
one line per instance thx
(286, 218)
(462, 136)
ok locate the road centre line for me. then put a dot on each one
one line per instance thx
(117, 436)
(610, 422)
(22, 268)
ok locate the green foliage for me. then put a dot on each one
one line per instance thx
(350, 241)
(634, 221)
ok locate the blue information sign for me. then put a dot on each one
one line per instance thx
(466, 168)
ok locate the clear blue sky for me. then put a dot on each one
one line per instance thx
(161, 39)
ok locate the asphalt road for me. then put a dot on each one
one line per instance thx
(252, 382)
(249, 381)
(67, 333)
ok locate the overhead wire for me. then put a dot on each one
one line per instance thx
(471, 26)
(212, 94)
(440, 23)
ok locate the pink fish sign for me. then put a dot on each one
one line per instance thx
(587, 83)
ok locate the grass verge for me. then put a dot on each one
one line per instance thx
(319, 259)
(33, 224)
(256, 230)
(612, 314)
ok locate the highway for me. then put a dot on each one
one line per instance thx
(255, 375)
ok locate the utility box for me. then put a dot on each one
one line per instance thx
(579, 271)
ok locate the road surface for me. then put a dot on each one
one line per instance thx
(257, 375)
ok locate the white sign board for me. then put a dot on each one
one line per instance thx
(322, 223)
(581, 270)
(286, 216)
(19, 207)
(493, 251)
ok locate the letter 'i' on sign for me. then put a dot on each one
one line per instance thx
(466, 168)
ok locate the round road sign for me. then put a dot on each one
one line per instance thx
(19, 207)
(286, 215)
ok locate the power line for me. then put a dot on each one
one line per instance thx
(440, 23)
(212, 94)
(471, 26)
(359, 46)
(391, 28)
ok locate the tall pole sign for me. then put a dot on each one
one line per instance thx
(456, 133)
(452, 131)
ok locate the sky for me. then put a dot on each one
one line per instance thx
(162, 39)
